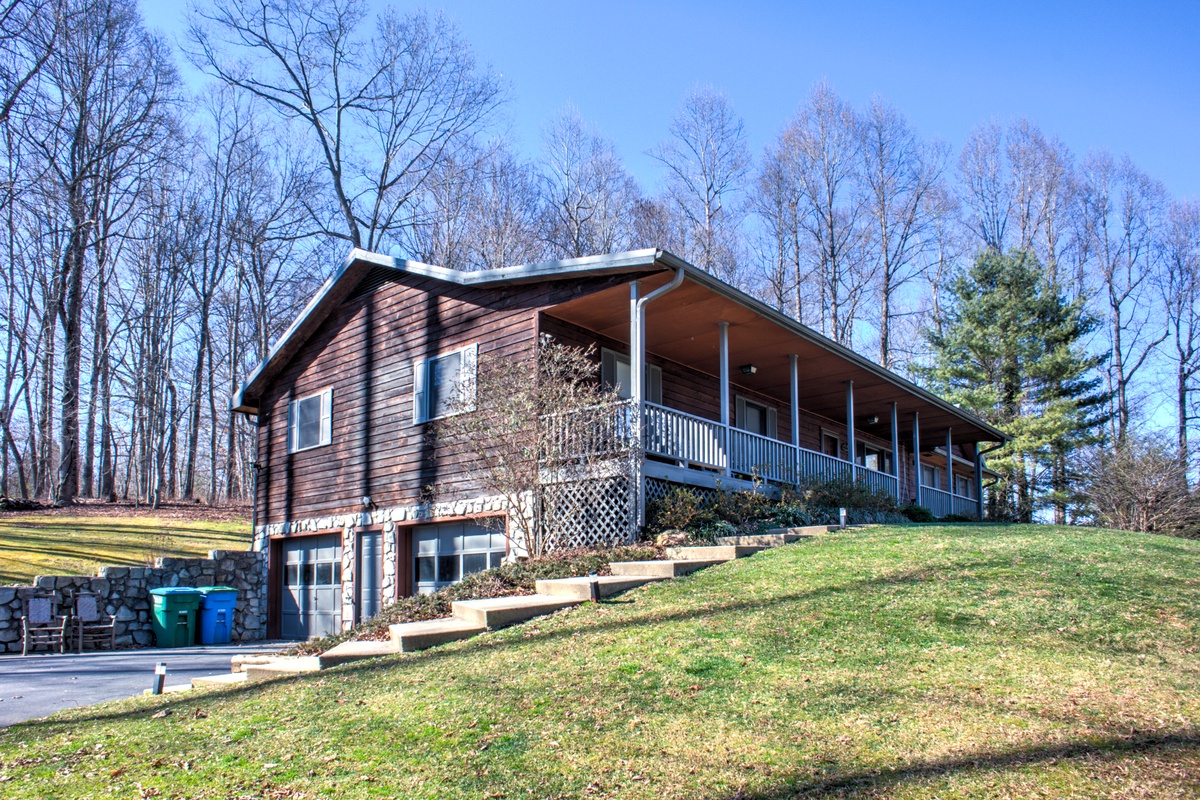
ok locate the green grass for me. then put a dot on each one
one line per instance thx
(907, 662)
(49, 544)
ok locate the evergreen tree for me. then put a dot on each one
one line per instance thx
(1009, 349)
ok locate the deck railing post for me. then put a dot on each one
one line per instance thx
(794, 365)
(978, 483)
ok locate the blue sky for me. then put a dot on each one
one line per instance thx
(1098, 75)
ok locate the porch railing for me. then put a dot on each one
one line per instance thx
(684, 437)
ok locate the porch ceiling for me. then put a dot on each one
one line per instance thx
(682, 326)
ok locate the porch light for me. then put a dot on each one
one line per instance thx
(748, 369)
(872, 420)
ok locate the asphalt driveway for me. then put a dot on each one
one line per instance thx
(38, 685)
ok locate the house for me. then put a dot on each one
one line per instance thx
(724, 391)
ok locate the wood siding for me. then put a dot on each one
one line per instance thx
(364, 353)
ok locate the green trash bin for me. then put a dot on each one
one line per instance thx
(175, 609)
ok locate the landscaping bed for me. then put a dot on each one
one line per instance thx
(515, 578)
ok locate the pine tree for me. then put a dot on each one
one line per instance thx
(1009, 349)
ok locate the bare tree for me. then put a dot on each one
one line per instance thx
(1180, 289)
(588, 199)
(101, 115)
(818, 160)
(707, 163)
(29, 31)
(1121, 213)
(385, 110)
(1141, 486)
(899, 174)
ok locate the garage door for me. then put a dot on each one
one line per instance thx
(312, 587)
(445, 553)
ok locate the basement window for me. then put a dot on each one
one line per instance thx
(310, 421)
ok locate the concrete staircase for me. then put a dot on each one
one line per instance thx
(472, 617)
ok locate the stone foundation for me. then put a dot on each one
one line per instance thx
(126, 594)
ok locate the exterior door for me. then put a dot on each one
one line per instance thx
(311, 596)
(370, 574)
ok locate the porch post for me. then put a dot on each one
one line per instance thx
(949, 470)
(795, 380)
(896, 449)
(636, 358)
(978, 483)
(917, 455)
(723, 333)
(850, 429)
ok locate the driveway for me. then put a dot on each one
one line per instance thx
(38, 685)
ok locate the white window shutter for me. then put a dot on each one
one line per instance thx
(739, 412)
(772, 423)
(468, 377)
(654, 384)
(291, 427)
(327, 416)
(608, 369)
(420, 381)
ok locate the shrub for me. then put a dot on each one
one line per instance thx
(742, 507)
(841, 494)
(514, 578)
(680, 509)
(916, 513)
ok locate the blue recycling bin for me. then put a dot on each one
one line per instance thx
(216, 614)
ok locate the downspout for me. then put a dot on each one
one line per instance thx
(979, 487)
(638, 368)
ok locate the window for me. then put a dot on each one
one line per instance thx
(873, 457)
(445, 554)
(318, 567)
(616, 372)
(444, 385)
(754, 417)
(831, 444)
(929, 476)
(310, 421)
(962, 486)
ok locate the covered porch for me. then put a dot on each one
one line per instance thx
(742, 392)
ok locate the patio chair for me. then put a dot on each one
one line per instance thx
(42, 624)
(89, 624)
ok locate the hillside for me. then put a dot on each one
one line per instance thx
(78, 539)
(908, 662)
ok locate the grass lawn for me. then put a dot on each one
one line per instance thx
(907, 662)
(77, 541)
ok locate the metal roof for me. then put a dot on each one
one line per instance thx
(359, 262)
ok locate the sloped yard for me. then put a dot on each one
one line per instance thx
(75, 541)
(909, 662)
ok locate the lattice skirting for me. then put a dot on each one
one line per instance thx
(588, 513)
(657, 489)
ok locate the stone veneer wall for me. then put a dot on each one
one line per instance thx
(351, 523)
(127, 594)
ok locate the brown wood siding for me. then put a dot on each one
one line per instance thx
(364, 353)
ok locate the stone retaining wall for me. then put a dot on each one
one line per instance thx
(126, 591)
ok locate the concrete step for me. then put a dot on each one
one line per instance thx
(713, 553)
(228, 679)
(346, 652)
(281, 667)
(497, 612)
(806, 530)
(239, 662)
(777, 536)
(408, 637)
(661, 569)
(581, 588)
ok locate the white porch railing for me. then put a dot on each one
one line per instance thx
(695, 441)
(942, 503)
